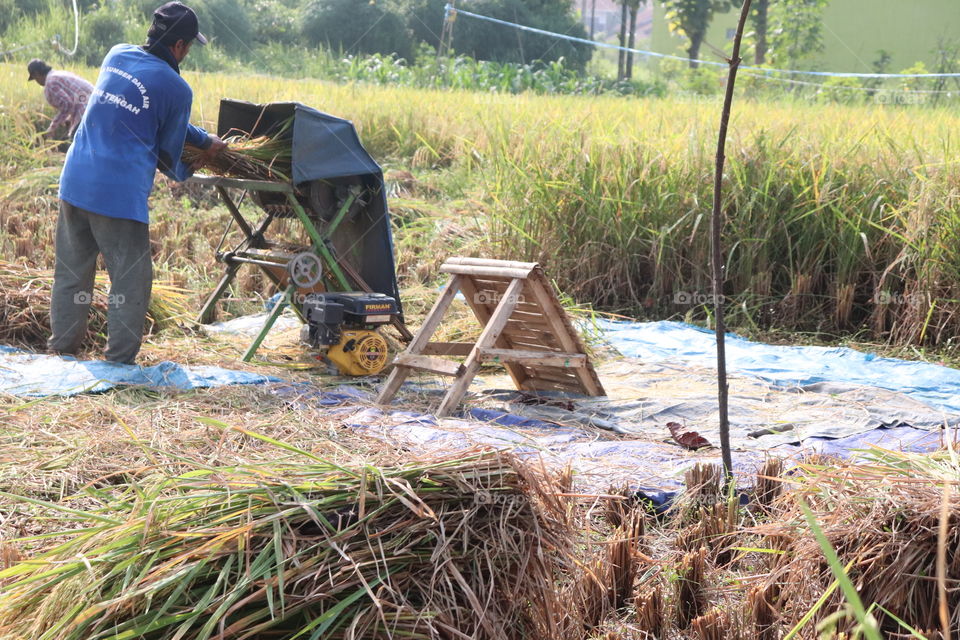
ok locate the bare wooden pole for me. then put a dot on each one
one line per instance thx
(717, 248)
(446, 34)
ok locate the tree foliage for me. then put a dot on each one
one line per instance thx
(486, 41)
(227, 22)
(355, 26)
(795, 31)
(692, 18)
(100, 31)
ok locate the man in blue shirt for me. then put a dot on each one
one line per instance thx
(136, 122)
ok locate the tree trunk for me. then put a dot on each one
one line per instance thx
(760, 13)
(622, 58)
(593, 17)
(632, 40)
(693, 51)
(716, 249)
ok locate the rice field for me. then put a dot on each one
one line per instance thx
(840, 219)
(155, 515)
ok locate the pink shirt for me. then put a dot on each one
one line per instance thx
(68, 94)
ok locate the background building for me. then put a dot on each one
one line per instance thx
(854, 32)
(603, 17)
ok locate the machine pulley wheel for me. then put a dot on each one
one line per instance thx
(305, 269)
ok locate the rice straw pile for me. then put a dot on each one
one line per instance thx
(887, 516)
(25, 306)
(463, 548)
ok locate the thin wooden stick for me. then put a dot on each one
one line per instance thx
(716, 239)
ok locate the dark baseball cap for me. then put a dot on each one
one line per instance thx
(37, 67)
(175, 21)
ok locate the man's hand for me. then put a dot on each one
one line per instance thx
(217, 146)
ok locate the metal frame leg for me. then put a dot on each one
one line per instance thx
(271, 319)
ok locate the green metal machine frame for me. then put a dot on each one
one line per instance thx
(251, 249)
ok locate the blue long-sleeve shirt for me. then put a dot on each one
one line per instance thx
(137, 121)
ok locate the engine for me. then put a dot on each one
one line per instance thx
(344, 327)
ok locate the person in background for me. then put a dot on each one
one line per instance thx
(137, 122)
(66, 92)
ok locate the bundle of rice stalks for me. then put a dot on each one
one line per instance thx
(25, 306)
(894, 521)
(250, 158)
(303, 548)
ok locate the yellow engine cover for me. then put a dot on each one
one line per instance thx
(359, 353)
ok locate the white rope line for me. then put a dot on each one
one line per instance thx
(451, 12)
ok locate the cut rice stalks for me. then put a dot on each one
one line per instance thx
(466, 548)
(25, 306)
(889, 516)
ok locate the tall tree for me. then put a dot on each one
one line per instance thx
(795, 30)
(631, 41)
(759, 19)
(691, 18)
(593, 17)
(622, 57)
(486, 41)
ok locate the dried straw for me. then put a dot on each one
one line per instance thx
(260, 158)
(882, 514)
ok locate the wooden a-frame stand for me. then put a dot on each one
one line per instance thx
(525, 329)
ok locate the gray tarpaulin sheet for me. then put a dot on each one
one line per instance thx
(787, 366)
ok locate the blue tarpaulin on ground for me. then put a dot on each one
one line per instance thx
(36, 376)
(786, 366)
(646, 456)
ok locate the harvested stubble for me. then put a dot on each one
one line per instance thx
(690, 595)
(308, 549)
(716, 625)
(25, 306)
(882, 514)
(651, 612)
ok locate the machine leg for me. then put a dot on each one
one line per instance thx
(271, 319)
(209, 310)
(394, 381)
